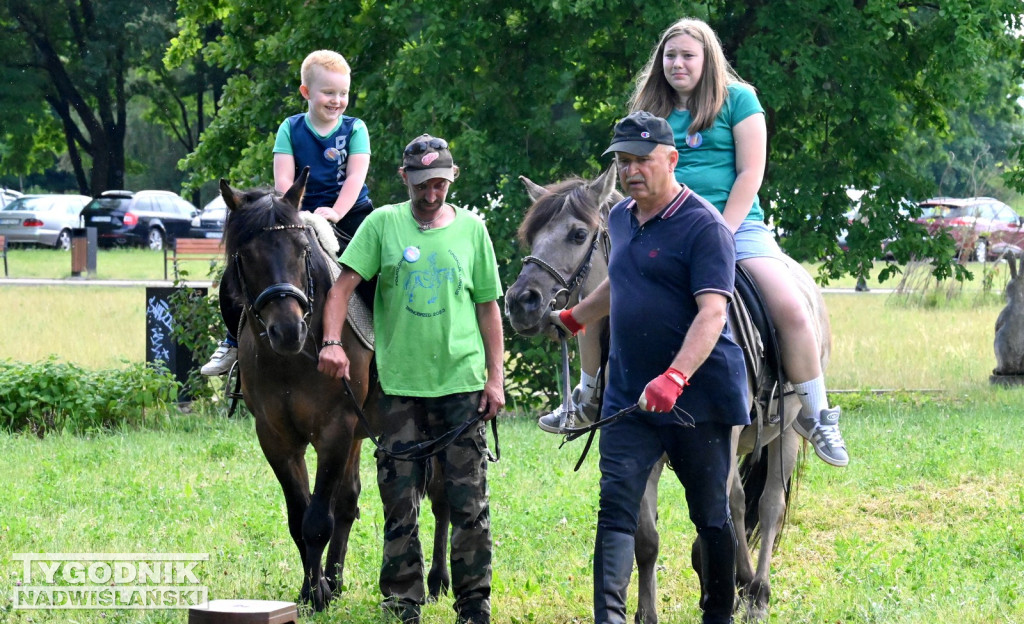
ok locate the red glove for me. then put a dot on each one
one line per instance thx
(565, 321)
(660, 393)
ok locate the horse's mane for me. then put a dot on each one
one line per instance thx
(258, 209)
(568, 195)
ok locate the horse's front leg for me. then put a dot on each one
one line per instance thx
(318, 524)
(289, 465)
(439, 579)
(772, 514)
(346, 510)
(738, 510)
(646, 550)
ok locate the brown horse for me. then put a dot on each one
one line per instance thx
(565, 230)
(280, 276)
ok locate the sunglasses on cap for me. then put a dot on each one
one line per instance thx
(421, 146)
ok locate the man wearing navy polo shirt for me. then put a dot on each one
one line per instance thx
(670, 280)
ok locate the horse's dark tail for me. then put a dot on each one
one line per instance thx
(753, 474)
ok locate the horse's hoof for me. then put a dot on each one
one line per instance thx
(436, 586)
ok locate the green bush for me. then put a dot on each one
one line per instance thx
(51, 395)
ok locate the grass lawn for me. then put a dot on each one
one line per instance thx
(111, 264)
(878, 343)
(922, 527)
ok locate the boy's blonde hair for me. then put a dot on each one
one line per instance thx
(653, 93)
(327, 59)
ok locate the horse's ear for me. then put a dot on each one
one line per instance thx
(232, 198)
(602, 186)
(535, 191)
(294, 194)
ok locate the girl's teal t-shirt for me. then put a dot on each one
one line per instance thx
(707, 159)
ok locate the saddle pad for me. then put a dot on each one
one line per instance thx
(746, 334)
(360, 317)
(322, 231)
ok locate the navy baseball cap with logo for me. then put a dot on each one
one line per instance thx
(639, 133)
(428, 157)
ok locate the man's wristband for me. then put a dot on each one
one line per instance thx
(330, 343)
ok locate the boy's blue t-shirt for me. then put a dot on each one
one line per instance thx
(326, 156)
(707, 159)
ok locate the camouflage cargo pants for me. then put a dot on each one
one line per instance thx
(409, 421)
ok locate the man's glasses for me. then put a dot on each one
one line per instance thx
(421, 146)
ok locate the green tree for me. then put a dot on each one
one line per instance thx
(179, 99)
(74, 67)
(533, 88)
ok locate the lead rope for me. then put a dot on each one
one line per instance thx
(590, 430)
(430, 448)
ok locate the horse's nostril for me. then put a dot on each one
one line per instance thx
(529, 298)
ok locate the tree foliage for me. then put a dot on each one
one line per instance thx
(75, 66)
(533, 87)
(850, 87)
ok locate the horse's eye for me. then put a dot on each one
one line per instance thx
(579, 236)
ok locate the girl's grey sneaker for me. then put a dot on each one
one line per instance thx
(552, 423)
(585, 414)
(824, 435)
(221, 361)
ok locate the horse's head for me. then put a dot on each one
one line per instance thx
(562, 230)
(274, 263)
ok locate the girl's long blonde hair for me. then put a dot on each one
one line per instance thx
(654, 94)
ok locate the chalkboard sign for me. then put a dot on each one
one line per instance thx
(160, 343)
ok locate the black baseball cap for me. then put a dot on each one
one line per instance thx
(639, 133)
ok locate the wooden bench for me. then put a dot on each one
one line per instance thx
(3, 251)
(182, 249)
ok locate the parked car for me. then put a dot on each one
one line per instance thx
(982, 227)
(42, 219)
(148, 218)
(7, 196)
(210, 222)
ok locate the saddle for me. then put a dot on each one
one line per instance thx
(754, 332)
(360, 316)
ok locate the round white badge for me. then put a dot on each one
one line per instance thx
(411, 254)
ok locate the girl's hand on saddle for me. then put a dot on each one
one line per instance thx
(333, 362)
(327, 213)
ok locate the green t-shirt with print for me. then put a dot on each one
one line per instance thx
(428, 339)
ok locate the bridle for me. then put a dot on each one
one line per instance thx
(281, 289)
(570, 287)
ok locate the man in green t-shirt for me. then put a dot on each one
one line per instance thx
(439, 357)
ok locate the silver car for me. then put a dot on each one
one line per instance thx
(42, 219)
